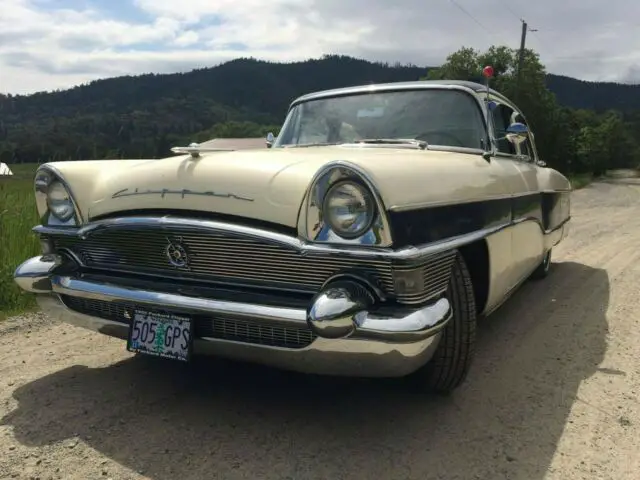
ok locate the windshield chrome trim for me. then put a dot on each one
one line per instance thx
(386, 87)
(477, 95)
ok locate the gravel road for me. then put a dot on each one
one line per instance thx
(554, 392)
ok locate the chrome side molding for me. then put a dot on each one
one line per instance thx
(355, 251)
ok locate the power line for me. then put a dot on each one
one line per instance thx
(466, 12)
(510, 10)
(535, 31)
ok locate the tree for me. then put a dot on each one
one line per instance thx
(569, 140)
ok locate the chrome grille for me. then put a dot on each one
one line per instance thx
(435, 273)
(233, 259)
(205, 326)
(217, 255)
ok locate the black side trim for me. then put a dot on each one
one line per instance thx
(432, 224)
(556, 209)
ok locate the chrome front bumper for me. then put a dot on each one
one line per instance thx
(352, 338)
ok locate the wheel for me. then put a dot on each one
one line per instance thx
(452, 359)
(543, 269)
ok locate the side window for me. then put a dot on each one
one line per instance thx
(502, 116)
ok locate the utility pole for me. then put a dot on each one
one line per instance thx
(523, 39)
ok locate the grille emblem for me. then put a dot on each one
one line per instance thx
(177, 254)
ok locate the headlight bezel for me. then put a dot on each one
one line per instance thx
(47, 176)
(312, 225)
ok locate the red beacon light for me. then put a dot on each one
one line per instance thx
(487, 72)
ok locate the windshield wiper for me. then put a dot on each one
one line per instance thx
(394, 141)
(314, 144)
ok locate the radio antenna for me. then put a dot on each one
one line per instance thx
(487, 73)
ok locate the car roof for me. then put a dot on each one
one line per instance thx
(419, 84)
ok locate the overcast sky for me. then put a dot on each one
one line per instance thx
(48, 44)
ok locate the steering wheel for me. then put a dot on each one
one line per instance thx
(456, 141)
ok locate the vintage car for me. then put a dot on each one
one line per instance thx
(381, 223)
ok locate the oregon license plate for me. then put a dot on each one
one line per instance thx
(160, 334)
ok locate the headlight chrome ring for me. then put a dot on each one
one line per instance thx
(348, 209)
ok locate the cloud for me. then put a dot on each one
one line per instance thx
(46, 44)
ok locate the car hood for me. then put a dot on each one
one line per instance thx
(269, 184)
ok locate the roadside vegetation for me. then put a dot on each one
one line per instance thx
(18, 216)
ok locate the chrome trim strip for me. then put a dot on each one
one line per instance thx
(383, 87)
(558, 227)
(454, 149)
(403, 254)
(407, 254)
(445, 203)
(101, 291)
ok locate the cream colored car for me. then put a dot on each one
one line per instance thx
(381, 224)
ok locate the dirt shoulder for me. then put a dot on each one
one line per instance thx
(553, 392)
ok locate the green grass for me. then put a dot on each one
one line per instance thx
(18, 216)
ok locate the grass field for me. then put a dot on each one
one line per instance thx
(18, 216)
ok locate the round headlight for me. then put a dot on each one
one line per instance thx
(59, 201)
(348, 208)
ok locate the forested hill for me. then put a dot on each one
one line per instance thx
(242, 84)
(598, 96)
(266, 87)
(144, 116)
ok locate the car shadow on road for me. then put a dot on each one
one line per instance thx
(230, 420)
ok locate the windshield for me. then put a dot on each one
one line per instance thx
(437, 116)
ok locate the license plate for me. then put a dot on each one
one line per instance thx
(160, 334)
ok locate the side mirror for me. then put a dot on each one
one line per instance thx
(517, 133)
(270, 139)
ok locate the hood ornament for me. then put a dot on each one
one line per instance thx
(194, 149)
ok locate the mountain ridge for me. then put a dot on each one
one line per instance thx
(144, 116)
(569, 91)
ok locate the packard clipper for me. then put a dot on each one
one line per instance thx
(381, 223)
